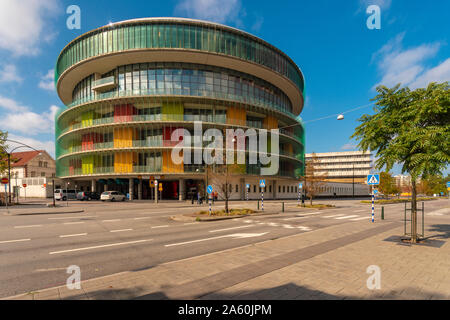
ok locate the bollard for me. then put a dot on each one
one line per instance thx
(282, 207)
(258, 204)
(382, 213)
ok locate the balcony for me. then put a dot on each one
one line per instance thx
(105, 84)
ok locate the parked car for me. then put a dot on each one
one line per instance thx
(88, 195)
(112, 196)
(63, 194)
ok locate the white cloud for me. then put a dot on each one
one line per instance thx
(11, 105)
(9, 73)
(48, 146)
(19, 118)
(220, 11)
(24, 24)
(407, 66)
(47, 81)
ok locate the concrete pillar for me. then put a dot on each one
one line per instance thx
(140, 190)
(93, 185)
(242, 188)
(131, 188)
(182, 189)
(105, 187)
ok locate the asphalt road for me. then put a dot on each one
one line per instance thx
(108, 238)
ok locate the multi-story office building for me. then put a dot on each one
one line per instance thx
(351, 166)
(127, 86)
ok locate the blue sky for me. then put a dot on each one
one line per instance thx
(341, 58)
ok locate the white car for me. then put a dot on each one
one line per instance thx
(112, 196)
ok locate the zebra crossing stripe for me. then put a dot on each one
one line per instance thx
(358, 219)
(336, 215)
(346, 217)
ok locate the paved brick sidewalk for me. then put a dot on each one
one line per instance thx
(328, 263)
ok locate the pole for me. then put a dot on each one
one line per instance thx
(6, 199)
(262, 199)
(209, 204)
(353, 181)
(373, 206)
(53, 184)
(9, 177)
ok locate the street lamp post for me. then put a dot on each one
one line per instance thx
(22, 145)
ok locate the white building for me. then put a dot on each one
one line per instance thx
(349, 167)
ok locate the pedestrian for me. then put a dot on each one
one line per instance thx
(193, 196)
(198, 198)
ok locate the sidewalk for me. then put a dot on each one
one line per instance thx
(328, 263)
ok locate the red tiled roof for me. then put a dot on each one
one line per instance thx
(20, 159)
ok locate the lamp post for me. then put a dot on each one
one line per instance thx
(22, 145)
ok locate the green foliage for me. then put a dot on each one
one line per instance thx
(3, 154)
(387, 184)
(411, 128)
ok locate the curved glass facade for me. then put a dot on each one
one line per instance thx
(177, 35)
(186, 80)
(119, 124)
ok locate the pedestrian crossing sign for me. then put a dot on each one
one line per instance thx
(262, 183)
(373, 179)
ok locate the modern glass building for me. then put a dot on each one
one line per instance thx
(127, 86)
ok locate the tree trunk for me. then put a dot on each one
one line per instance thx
(226, 205)
(413, 211)
(310, 200)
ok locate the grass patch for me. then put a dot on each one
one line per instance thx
(317, 206)
(222, 213)
(398, 200)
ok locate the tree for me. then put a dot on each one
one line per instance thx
(314, 179)
(3, 153)
(387, 184)
(434, 184)
(411, 128)
(221, 178)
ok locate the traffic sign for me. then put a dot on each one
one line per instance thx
(209, 189)
(262, 183)
(24, 185)
(247, 185)
(448, 184)
(300, 185)
(152, 183)
(160, 187)
(5, 180)
(375, 191)
(373, 179)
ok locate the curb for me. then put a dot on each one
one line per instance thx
(42, 213)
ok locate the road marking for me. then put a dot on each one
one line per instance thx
(11, 241)
(235, 236)
(304, 228)
(102, 246)
(346, 217)
(33, 226)
(142, 218)
(288, 226)
(73, 235)
(248, 221)
(80, 222)
(113, 220)
(361, 210)
(67, 218)
(363, 218)
(336, 215)
(122, 230)
(219, 230)
(156, 227)
(188, 224)
(273, 224)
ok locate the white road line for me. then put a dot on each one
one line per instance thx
(272, 224)
(113, 220)
(235, 236)
(11, 241)
(247, 221)
(102, 246)
(288, 226)
(73, 235)
(346, 217)
(67, 223)
(122, 230)
(156, 227)
(142, 218)
(361, 210)
(67, 218)
(219, 230)
(363, 218)
(336, 215)
(304, 228)
(33, 226)
(189, 223)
